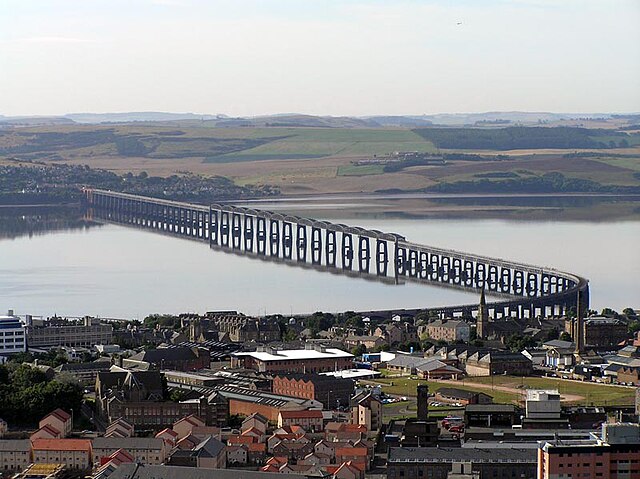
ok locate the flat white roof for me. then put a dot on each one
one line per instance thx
(297, 354)
(353, 373)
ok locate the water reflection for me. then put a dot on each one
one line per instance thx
(16, 222)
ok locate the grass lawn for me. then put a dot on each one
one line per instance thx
(594, 393)
(407, 387)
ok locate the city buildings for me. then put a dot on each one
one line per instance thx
(63, 332)
(600, 331)
(59, 420)
(73, 453)
(437, 462)
(309, 420)
(332, 392)
(312, 359)
(179, 358)
(15, 454)
(498, 362)
(12, 336)
(448, 330)
(146, 450)
(366, 410)
(615, 454)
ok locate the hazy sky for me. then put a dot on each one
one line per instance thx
(348, 57)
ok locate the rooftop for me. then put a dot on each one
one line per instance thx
(456, 454)
(141, 471)
(63, 444)
(296, 354)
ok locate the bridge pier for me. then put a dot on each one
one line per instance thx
(534, 291)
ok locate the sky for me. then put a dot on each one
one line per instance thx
(325, 57)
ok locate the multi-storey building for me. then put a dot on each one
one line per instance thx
(330, 391)
(614, 455)
(12, 336)
(137, 396)
(179, 358)
(448, 330)
(600, 331)
(145, 450)
(366, 410)
(498, 362)
(437, 462)
(312, 359)
(73, 453)
(63, 332)
(15, 455)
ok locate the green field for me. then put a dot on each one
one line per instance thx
(592, 393)
(323, 142)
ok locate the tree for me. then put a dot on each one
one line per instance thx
(552, 334)
(359, 350)
(564, 336)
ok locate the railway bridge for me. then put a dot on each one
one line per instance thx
(523, 290)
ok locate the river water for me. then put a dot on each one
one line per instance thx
(57, 263)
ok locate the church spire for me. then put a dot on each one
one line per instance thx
(482, 318)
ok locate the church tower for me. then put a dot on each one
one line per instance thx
(482, 321)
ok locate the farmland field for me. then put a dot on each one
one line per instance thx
(307, 160)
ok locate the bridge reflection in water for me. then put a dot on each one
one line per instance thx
(526, 290)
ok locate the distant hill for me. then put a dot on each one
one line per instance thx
(127, 117)
(400, 121)
(295, 120)
(486, 119)
(515, 117)
(8, 121)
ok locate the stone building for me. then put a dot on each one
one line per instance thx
(600, 331)
(498, 362)
(312, 359)
(448, 330)
(330, 391)
(62, 332)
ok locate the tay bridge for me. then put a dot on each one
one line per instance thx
(522, 290)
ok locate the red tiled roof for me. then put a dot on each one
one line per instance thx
(50, 429)
(279, 460)
(257, 447)
(301, 414)
(236, 439)
(351, 451)
(171, 432)
(61, 444)
(270, 468)
(61, 414)
(253, 430)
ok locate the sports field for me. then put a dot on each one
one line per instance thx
(511, 389)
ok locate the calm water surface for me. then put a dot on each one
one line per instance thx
(115, 271)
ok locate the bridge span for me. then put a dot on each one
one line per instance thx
(524, 290)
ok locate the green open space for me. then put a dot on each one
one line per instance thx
(591, 393)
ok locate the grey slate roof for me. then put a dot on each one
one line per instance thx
(15, 445)
(128, 443)
(166, 354)
(135, 471)
(455, 454)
